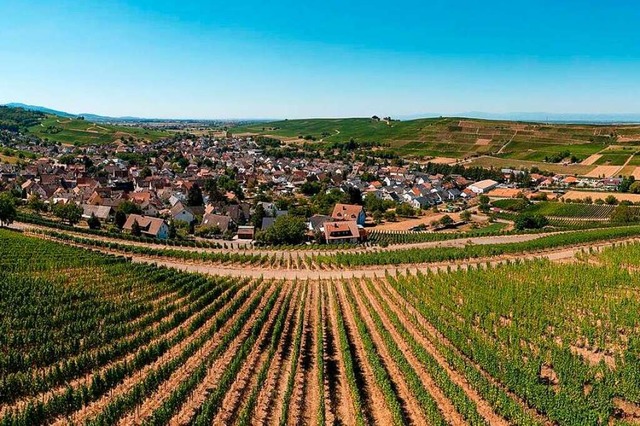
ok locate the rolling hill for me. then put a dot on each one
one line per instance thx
(71, 130)
(518, 143)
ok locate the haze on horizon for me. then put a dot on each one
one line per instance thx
(251, 59)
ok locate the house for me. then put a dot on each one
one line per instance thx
(222, 222)
(246, 232)
(342, 232)
(317, 221)
(180, 212)
(349, 212)
(149, 226)
(103, 213)
(483, 186)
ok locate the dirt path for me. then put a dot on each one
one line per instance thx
(405, 395)
(375, 401)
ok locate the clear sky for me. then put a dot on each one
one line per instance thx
(261, 59)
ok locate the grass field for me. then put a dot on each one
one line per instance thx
(93, 339)
(82, 132)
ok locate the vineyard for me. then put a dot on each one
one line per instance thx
(92, 338)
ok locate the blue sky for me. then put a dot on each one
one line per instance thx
(241, 59)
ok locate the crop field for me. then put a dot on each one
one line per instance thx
(572, 210)
(82, 132)
(458, 137)
(93, 339)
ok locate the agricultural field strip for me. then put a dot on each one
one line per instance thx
(450, 381)
(162, 329)
(493, 391)
(195, 337)
(431, 240)
(198, 349)
(382, 401)
(410, 379)
(347, 392)
(153, 402)
(258, 357)
(259, 404)
(411, 255)
(565, 407)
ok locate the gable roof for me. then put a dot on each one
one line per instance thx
(346, 211)
(148, 225)
(341, 230)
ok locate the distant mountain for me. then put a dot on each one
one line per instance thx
(44, 110)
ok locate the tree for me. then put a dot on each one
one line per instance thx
(93, 222)
(624, 214)
(194, 197)
(258, 215)
(173, 232)
(405, 210)
(36, 204)
(530, 221)
(377, 217)
(145, 172)
(8, 211)
(465, 215)
(611, 200)
(354, 195)
(135, 228)
(390, 216)
(446, 220)
(120, 218)
(129, 207)
(484, 204)
(286, 229)
(70, 212)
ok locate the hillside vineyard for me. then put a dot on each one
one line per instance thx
(89, 338)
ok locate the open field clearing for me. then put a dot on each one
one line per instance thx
(94, 339)
(603, 171)
(590, 160)
(580, 195)
(486, 161)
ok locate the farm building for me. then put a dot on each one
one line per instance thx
(483, 186)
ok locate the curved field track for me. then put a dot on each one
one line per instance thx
(90, 337)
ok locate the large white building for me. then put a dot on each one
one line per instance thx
(483, 186)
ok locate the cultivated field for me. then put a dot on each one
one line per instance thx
(94, 339)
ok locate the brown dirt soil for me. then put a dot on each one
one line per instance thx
(337, 383)
(216, 370)
(404, 308)
(127, 384)
(412, 405)
(265, 398)
(376, 402)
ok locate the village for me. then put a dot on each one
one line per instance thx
(231, 188)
